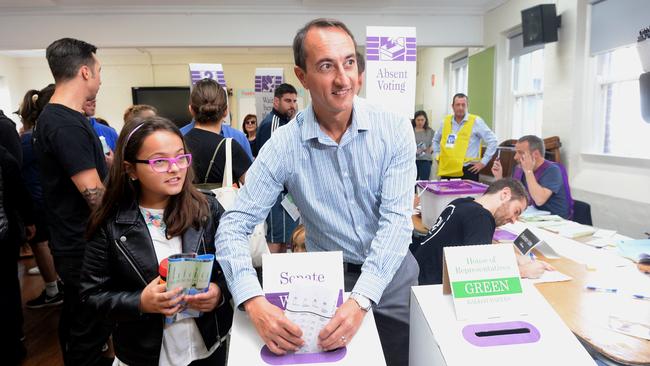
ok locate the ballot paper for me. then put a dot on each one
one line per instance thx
(311, 306)
(634, 329)
(192, 273)
(551, 276)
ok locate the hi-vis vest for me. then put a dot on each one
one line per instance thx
(452, 158)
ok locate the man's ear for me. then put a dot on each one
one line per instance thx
(301, 75)
(85, 72)
(276, 102)
(506, 194)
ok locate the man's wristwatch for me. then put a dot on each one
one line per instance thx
(364, 303)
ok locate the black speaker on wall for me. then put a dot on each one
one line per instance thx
(540, 24)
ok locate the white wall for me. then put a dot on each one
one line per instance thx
(183, 27)
(9, 86)
(617, 188)
(434, 99)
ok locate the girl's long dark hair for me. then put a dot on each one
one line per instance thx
(33, 103)
(183, 211)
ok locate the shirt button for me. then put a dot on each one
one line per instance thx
(358, 228)
(122, 239)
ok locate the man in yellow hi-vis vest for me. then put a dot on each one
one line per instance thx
(457, 143)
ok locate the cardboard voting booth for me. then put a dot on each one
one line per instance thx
(436, 195)
(484, 314)
(294, 282)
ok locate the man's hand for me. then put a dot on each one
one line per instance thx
(534, 269)
(205, 301)
(476, 167)
(497, 169)
(30, 231)
(343, 326)
(277, 332)
(526, 162)
(109, 159)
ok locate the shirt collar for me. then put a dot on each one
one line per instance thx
(311, 130)
(453, 118)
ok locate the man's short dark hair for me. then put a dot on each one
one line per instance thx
(283, 89)
(458, 95)
(299, 54)
(66, 55)
(517, 189)
(361, 63)
(534, 143)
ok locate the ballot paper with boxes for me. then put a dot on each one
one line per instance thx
(308, 287)
(483, 313)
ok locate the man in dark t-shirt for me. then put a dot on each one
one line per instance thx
(72, 169)
(466, 221)
(202, 145)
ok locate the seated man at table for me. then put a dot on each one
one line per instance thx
(548, 188)
(469, 221)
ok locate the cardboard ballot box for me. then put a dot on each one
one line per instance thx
(438, 194)
(535, 336)
(246, 347)
(308, 287)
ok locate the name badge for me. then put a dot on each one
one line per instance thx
(451, 141)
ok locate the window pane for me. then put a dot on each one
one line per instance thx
(623, 130)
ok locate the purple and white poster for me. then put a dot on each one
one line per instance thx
(209, 71)
(391, 56)
(266, 80)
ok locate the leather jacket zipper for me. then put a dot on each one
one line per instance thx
(128, 259)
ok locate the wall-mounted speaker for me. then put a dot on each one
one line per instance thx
(540, 24)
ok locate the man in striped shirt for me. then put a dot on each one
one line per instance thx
(280, 223)
(349, 167)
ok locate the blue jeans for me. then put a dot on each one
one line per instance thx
(424, 169)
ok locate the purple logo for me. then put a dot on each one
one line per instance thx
(391, 49)
(267, 83)
(196, 75)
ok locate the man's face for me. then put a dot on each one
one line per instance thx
(89, 107)
(522, 148)
(460, 107)
(509, 211)
(286, 104)
(330, 74)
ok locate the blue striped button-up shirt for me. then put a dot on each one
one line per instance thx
(355, 196)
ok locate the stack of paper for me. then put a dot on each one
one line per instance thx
(570, 229)
(636, 250)
(531, 211)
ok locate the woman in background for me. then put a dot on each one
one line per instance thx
(423, 139)
(33, 103)
(250, 129)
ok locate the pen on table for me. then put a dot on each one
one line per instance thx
(532, 256)
(641, 297)
(601, 289)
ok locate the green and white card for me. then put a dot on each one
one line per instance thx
(483, 280)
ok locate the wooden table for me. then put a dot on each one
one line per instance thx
(587, 313)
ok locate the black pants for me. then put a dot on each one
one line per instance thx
(392, 312)
(466, 174)
(82, 334)
(10, 302)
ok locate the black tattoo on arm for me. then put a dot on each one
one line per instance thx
(93, 196)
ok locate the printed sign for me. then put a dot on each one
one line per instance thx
(526, 241)
(282, 271)
(391, 55)
(266, 80)
(483, 280)
(210, 71)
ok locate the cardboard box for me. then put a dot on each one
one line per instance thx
(246, 347)
(538, 337)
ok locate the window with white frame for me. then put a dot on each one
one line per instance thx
(620, 130)
(459, 76)
(527, 93)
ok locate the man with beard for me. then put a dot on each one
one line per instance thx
(466, 221)
(280, 224)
